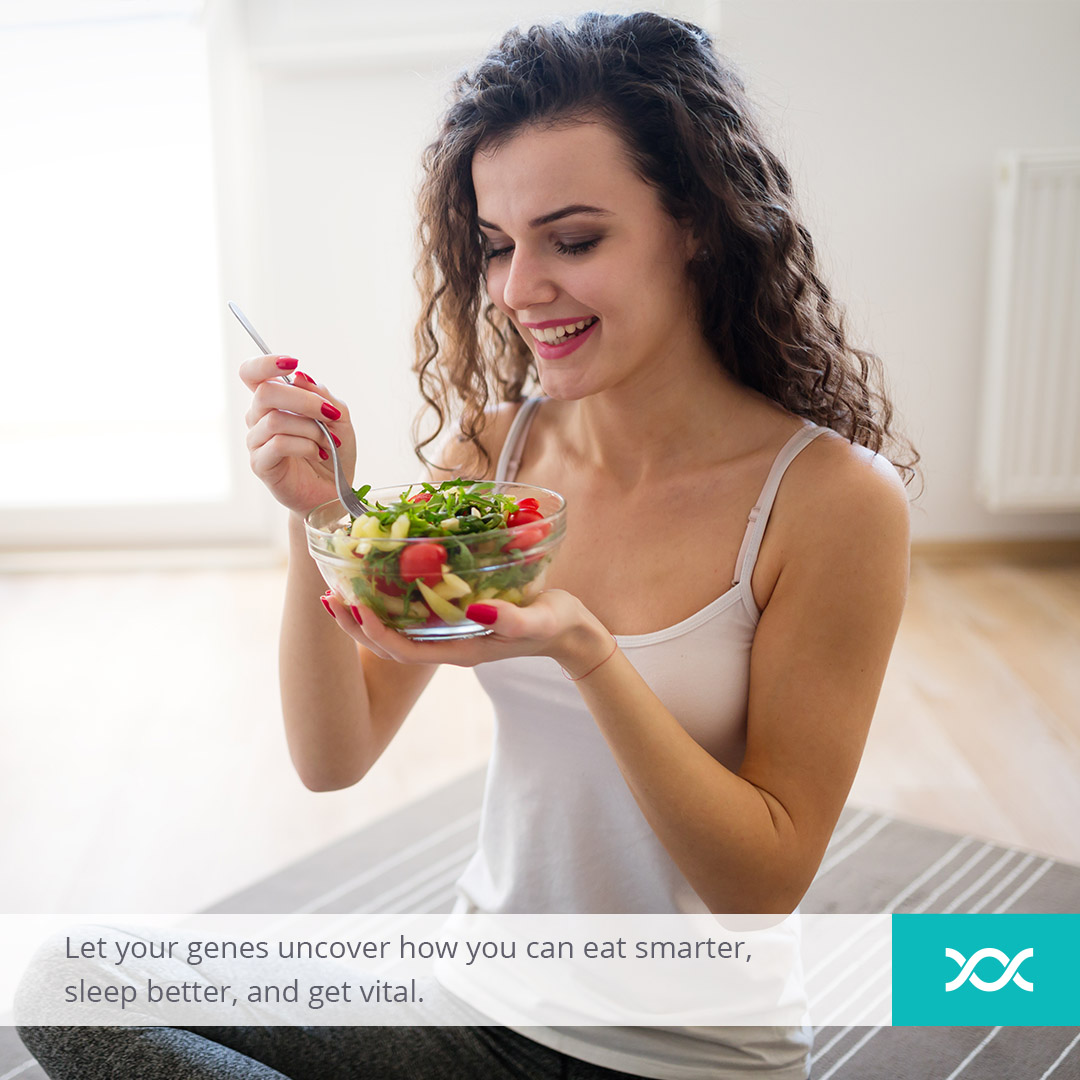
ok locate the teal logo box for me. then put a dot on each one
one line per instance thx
(982, 970)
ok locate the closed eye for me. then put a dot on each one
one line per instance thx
(576, 249)
(561, 248)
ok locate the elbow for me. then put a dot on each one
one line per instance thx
(318, 773)
(329, 780)
(778, 893)
(780, 904)
(321, 784)
(788, 892)
(789, 887)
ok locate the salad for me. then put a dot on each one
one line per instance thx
(418, 561)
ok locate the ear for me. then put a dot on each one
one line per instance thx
(694, 248)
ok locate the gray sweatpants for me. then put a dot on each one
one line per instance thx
(300, 1053)
(261, 1050)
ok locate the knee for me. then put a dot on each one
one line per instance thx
(30, 1005)
(40, 990)
(43, 1017)
(31, 1037)
(62, 1052)
(87, 1053)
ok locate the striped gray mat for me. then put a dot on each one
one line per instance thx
(874, 864)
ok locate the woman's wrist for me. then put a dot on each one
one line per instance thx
(585, 647)
(300, 558)
(599, 664)
(298, 538)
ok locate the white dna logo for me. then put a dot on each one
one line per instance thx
(967, 968)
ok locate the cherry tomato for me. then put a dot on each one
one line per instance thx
(525, 539)
(423, 562)
(388, 588)
(420, 496)
(523, 517)
(528, 504)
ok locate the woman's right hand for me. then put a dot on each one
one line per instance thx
(286, 448)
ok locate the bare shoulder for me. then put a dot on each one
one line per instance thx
(844, 487)
(842, 513)
(455, 457)
(822, 646)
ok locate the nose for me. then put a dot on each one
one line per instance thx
(527, 284)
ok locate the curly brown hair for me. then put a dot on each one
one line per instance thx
(692, 133)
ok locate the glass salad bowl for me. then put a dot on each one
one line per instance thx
(430, 550)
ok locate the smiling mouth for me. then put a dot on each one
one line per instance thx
(556, 335)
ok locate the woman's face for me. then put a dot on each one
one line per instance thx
(575, 235)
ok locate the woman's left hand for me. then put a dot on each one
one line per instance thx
(555, 624)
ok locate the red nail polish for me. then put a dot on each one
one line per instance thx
(330, 412)
(482, 613)
(337, 441)
(356, 614)
(287, 363)
(326, 604)
(323, 454)
(305, 375)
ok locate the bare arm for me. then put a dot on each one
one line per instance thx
(341, 703)
(752, 841)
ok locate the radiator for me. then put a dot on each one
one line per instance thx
(1029, 439)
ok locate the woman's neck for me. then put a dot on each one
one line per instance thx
(643, 431)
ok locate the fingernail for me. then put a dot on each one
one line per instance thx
(326, 604)
(305, 375)
(337, 441)
(356, 614)
(287, 363)
(330, 412)
(323, 454)
(482, 613)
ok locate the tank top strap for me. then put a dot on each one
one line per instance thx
(759, 515)
(514, 447)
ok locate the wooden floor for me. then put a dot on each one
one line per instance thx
(143, 766)
(978, 725)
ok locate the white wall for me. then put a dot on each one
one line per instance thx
(889, 113)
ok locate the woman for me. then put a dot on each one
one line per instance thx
(726, 633)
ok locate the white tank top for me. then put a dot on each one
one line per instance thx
(560, 831)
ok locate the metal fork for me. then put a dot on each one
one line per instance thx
(344, 490)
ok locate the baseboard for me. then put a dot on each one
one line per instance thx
(108, 560)
(1031, 552)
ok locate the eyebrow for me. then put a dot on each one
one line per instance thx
(555, 215)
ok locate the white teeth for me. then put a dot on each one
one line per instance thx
(552, 335)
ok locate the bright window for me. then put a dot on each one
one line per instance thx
(115, 381)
